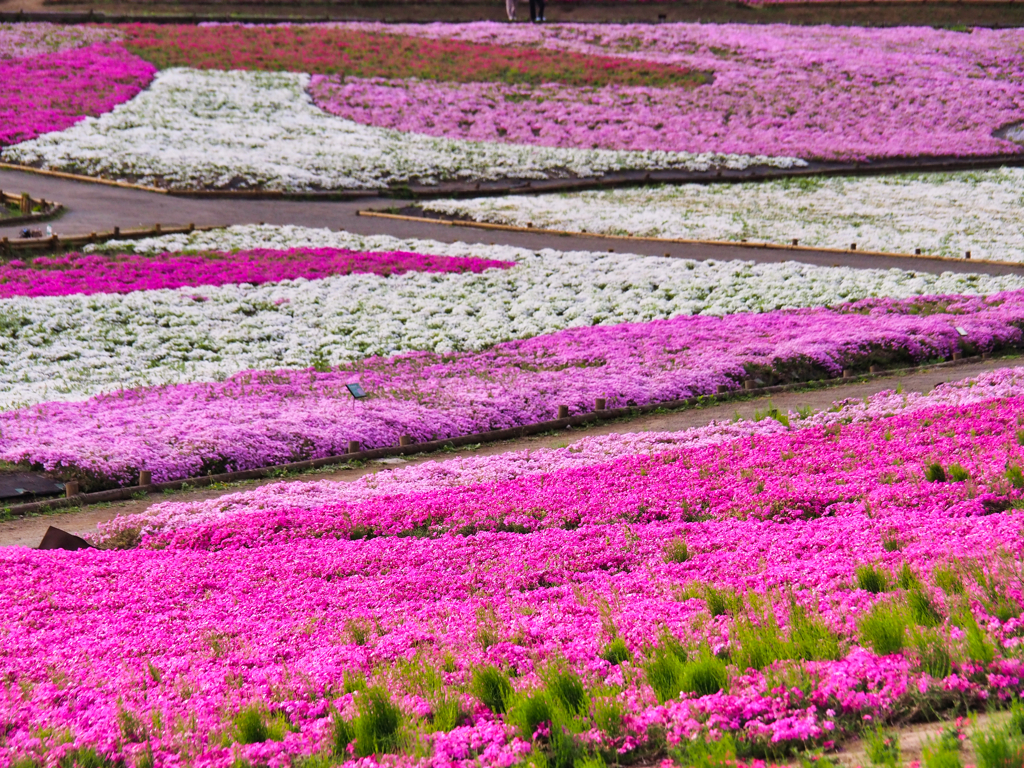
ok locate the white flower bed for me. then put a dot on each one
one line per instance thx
(942, 214)
(210, 129)
(70, 347)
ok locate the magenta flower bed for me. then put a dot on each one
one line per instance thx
(52, 91)
(261, 418)
(169, 650)
(832, 93)
(90, 273)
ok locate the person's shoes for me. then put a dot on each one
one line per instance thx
(543, 18)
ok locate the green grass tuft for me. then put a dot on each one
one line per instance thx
(884, 629)
(493, 687)
(873, 579)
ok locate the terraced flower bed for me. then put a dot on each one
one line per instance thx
(370, 106)
(71, 347)
(940, 214)
(210, 421)
(625, 598)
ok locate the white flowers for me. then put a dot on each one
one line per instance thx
(942, 214)
(70, 347)
(196, 129)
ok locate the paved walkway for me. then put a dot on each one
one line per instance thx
(97, 207)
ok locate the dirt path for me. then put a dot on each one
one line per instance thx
(29, 531)
(95, 208)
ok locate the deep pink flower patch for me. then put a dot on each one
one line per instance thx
(91, 273)
(259, 418)
(52, 91)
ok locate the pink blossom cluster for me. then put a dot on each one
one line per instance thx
(93, 273)
(149, 653)
(832, 93)
(260, 418)
(51, 91)
(470, 469)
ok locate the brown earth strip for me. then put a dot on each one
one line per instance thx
(885, 14)
(29, 531)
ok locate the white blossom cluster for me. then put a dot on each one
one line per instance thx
(70, 347)
(243, 130)
(944, 214)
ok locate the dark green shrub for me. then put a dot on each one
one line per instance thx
(251, 726)
(906, 578)
(344, 735)
(1015, 476)
(705, 675)
(758, 646)
(676, 551)
(883, 748)
(665, 675)
(933, 654)
(810, 638)
(934, 473)
(957, 473)
(948, 579)
(567, 689)
(997, 748)
(448, 713)
(530, 711)
(492, 687)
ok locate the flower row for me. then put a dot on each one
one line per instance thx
(264, 418)
(71, 347)
(352, 51)
(945, 214)
(783, 587)
(52, 91)
(87, 274)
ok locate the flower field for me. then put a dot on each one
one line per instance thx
(71, 347)
(621, 598)
(943, 214)
(367, 106)
(238, 351)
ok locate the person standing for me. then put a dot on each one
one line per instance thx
(510, 9)
(537, 10)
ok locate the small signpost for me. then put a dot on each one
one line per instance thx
(356, 390)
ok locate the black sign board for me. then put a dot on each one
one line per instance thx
(356, 390)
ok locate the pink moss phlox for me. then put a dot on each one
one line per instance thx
(93, 273)
(832, 93)
(260, 418)
(52, 91)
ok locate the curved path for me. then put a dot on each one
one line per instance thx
(98, 207)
